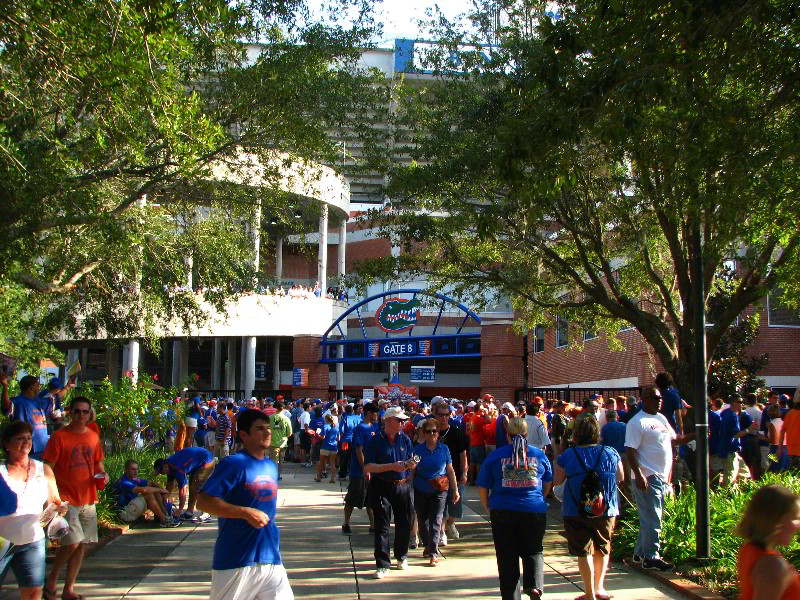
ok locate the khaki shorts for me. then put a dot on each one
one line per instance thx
(82, 525)
(275, 454)
(221, 450)
(133, 510)
(588, 536)
(323, 452)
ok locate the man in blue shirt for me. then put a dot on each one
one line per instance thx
(388, 458)
(715, 465)
(734, 426)
(613, 433)
(672, 405)
(357, 487)
(243, 493)
(347, 426)
(190, 467)
(32, 408)
(137, 495)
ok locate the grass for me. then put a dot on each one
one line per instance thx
(678, 541)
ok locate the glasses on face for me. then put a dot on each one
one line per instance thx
(80, 411)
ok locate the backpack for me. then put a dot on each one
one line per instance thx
(592, 502)
(558, 427)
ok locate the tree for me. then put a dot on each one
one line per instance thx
(115, 117)
(566, 161)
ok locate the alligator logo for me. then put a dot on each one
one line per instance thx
(397, 315)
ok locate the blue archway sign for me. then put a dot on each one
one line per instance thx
(396, 316)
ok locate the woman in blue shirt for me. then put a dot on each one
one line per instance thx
(513, 482)
(589, 538)
(329, 448)
(433, 476)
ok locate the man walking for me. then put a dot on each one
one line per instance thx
(357, 487)
(243, 493)
(75, 454)
(388, 457)
(648, 447)
(733, 428)
(458, 444)
(33, 408)
(223, 432)
(281, 427)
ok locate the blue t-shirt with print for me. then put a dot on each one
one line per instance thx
(515, 489)
(361, 435)
(348, 425)
(432, 464)
(34, 411)
(330, 437)
(671, 402)
(379, 450)
(613, 434)
(126, 493)
(243, 480)
(606, 469)
(184, 462)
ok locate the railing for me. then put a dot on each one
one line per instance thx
(574, 395)
(238, 395)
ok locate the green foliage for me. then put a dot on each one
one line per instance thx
(115, 467)
(678, 539)
(126, 408)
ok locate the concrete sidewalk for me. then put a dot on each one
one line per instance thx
(323, 563)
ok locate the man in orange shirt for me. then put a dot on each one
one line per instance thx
(477, 450)
(75, 454)
(790, 435)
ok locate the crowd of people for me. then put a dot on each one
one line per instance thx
(306, 291)
(409, 463)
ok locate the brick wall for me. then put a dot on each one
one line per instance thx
(780, 342)
(306, 354)
(502, 370)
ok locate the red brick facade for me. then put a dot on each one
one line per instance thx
(502, 351)
(781, 343)
(306, 354)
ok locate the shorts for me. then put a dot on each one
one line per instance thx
(296, 438)
(133, 510)
(477, 454)
(454, 511)
(82, 525)
(324, 452)
(356, 495)
(589, 536)
(26, 561)
(221, 450)
(275, 455)
(715, 464)
(201, 475)
(211, 439)
(256, 582)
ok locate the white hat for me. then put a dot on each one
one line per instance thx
(471, 403)
(396, 412)
(190, 422)
(509, 406)
(437, 399)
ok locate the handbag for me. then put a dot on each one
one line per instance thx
(440, 484)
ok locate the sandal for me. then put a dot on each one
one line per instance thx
(603, 596)
(533, 593)
(75, 597)
(49, 594)
(433, 560)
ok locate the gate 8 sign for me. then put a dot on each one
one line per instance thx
(396, 348)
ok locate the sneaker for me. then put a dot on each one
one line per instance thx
(443, 539)
(346, 529)
(637, 559)
(381, 573)
(402, 565)
(656, 564)
(412, 545)
(452, 532)
(187, 516)
(169, 523)
(202, 518)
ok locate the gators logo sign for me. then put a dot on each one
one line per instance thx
(397, 315)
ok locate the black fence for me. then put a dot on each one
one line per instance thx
(238, 395)
(574, 395)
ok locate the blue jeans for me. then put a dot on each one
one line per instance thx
(27, 562)
(650, 505)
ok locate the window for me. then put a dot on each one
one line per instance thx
(562, 331)
(779, 315)
(538, 339)
(589, 334)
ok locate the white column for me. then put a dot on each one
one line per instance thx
(216, 364)
(276, 364)
(176, 363)
(322, 261)
(249, 351)
(255, 233)
(133, 359)
(230, 368)
(342, 247)
(279, 258)
(242, 364)
(124, 358)
(189, 262)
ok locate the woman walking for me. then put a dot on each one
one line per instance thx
(770, 520)
(433, 477)
(589, 536)
(35, 486)
(513, 483)
(329, 448)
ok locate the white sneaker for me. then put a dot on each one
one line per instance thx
(402, 565)
(452, 532)
(381, 573)
(443, 539)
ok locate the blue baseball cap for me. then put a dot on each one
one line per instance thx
(55, 384)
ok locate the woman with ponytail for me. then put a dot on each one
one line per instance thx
(513, 483)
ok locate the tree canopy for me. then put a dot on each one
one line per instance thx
(113, 115)
(565, 159)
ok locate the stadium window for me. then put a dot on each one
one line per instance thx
(589, 334)
(778, 314)
(562, 331)
(538, 339)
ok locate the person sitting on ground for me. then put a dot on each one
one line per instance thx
(137, 495)
(190, 467)
(771, 519)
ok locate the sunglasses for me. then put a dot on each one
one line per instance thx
(431, 431)
(80, 411)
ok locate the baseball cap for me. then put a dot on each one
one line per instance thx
(159, 464)
(396, 412)
(55, 384)
(471, 403)
(537, 400)
(509, 406)
(487, 397)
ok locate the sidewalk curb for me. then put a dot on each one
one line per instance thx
(672, 580)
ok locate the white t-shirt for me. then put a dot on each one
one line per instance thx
(755, 414)
(537, 432)
(651, 436)
(304, 419)
(22, 527)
